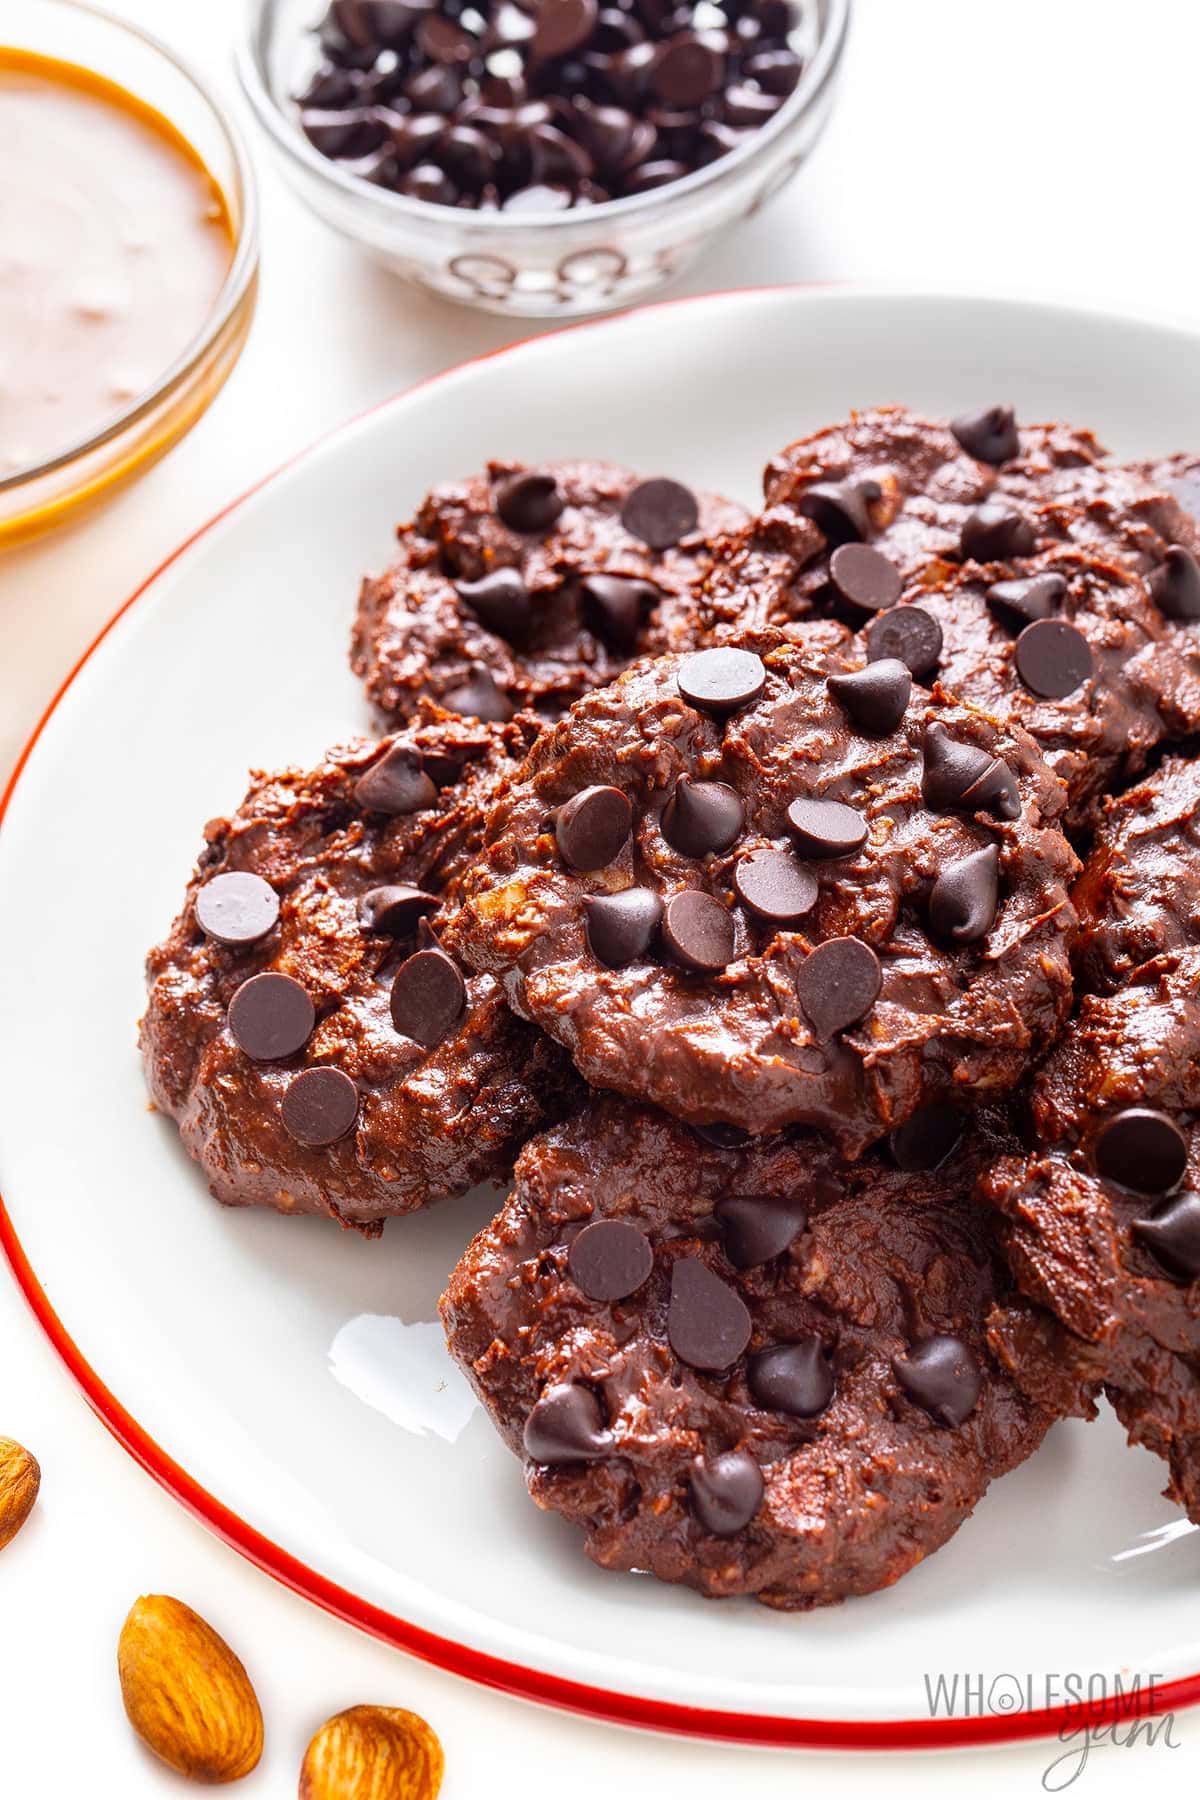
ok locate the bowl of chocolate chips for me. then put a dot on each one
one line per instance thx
(541, 157)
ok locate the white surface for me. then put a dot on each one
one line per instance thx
(936, 168)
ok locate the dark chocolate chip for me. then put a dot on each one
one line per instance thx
(1142, 1150)
(941, 1376)
(837, 984)
(962, 904)
(797, 1379)
(875, 699)
(562, 26)
(479, 698)
(614, 607)
(622, 927)
(990, 436)
(839, 509)
(349, 133)
(777, 71)
(436, 89)
(396, 784)
(1023, 601)
(429, 183)
(1172, 1234)
(319, 1106)
(996, 531)
(702, 817)
(499, 600)
(660, 512)
(566, 1425)
(688, 71)
(395, 911)
(745, 105)
(964, 777)
(271, 1016)
(593, 827)
(721, 681)
(757, 1228)
(1053, 658)
(530, 502)
(907, 634)
(1175, 584)
(707, 1321)
(655, 175)
(442, 41)
(610, 1259)
(865, 577)
(429, 997)
(698, 931)
(540, 197)
(826, 828)
(726, 1492)
(775, 885)
(237, 908)
(927, 1137)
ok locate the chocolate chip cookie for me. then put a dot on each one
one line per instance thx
(318, 1048)
(766, 886)
(754, 1370)
(527, 587)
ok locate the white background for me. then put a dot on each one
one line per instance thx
(1042, 146)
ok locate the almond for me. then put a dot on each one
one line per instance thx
(20, 1479)
(373, 1753)
(185, 1692)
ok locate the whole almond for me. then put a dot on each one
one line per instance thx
(373, 1753)
(187, 1695)
(20, 1479)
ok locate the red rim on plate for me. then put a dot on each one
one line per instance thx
(445, 1653)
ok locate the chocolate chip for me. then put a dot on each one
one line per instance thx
(757, 1228)
(1023, 601)
(1175, 585)
(996, 531)
(660, 512)
(927, 1137)
(962, 904)
(964, 777)
(319, 1106)
(395, 911)
(826, 828)
(698, 931)
(941, 1376)
(907, 634)
(702, 817)
(499, 600)
(777, 71)
(442, 41)
(1142, 1150)
(479, 698)
(797, 1379)
(748, 106)
(726, 1492)
(707, 1322)
(622, 927)
(839, 509)
(610, 1259)
(566, 1425)
(773, 884)
(562, 26)
(865, 577)
(429, 183)
(614, 607)
(541, 197)
(990, 436)
(1053, 658)
(688, 71)
(876, 698)
(531, 501)
(1172, 1234)
(429, 997)
(236, 908)
(271, 1016)
(396, 784)
(721, 681)
(593, 827)
(837, 984)
(437, 89)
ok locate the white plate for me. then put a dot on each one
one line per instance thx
(288, 1380)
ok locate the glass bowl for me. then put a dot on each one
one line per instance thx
(71, 31)
(553, 265)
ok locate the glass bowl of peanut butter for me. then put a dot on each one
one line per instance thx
(128, 259)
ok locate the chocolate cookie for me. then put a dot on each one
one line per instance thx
(531, 586)
(754, 1370)
(320, 1052)
(764, 886)
(1139, 894)
(1101, 1226)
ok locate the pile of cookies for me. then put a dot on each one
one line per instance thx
(808, 906)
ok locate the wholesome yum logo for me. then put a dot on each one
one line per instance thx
(1100, 1711)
